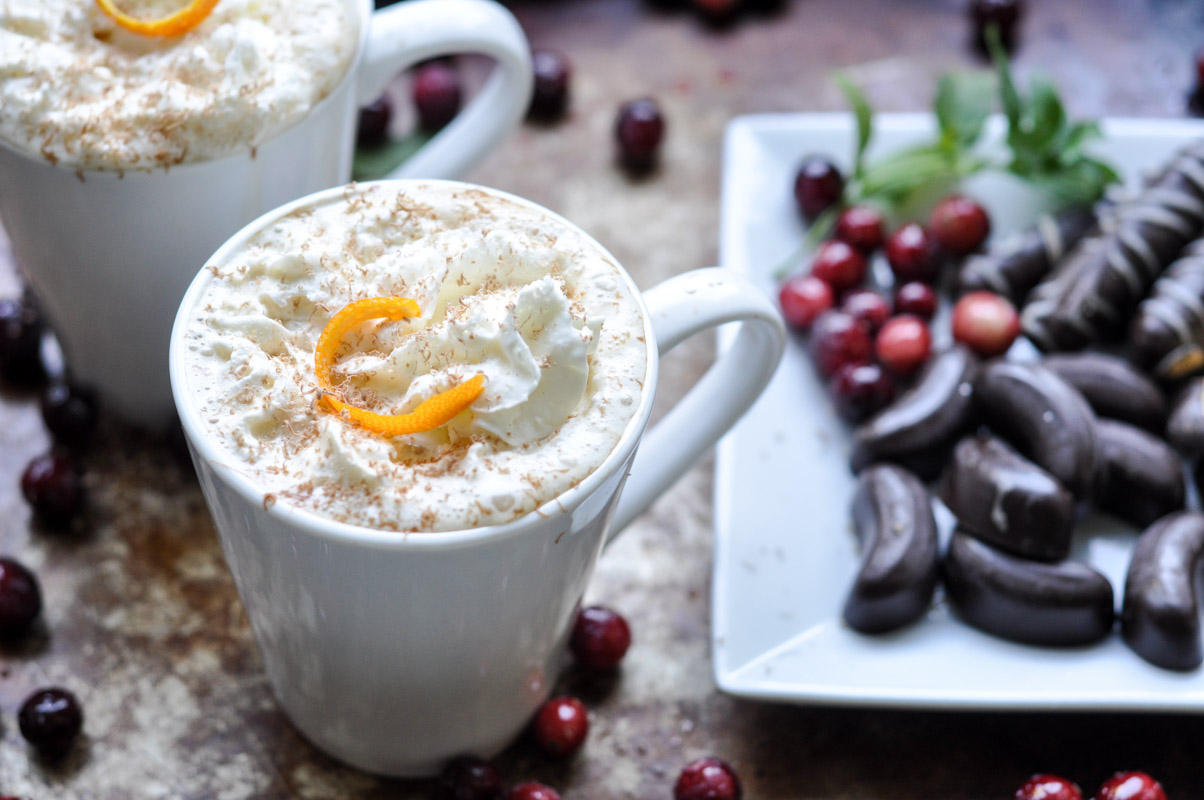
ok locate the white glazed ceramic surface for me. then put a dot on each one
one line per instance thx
(785, 552)
(110, 255)
(395, 652)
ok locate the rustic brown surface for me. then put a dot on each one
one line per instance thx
(142, 620)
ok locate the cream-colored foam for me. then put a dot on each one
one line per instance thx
(505, 291)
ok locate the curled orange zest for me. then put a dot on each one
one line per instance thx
(175, 24)
(430, 413)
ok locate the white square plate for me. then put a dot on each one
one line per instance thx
(784, 552)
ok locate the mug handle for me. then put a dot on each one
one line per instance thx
(679, 308)
(409, 32)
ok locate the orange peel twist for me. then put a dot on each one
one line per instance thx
(430, 413)
(175, 24)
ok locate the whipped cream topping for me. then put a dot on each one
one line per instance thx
(505, 291)
(77, 89)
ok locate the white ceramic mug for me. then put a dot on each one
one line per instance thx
(395, 652)
(110, 254)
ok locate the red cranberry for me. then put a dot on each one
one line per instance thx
(860, 390)
(51, 485)
(550, 96)
(916, 298)
(437, 95)
(707, 779)
(561, 725)
(909, 251)
(868, 306)
(717, 12)
(20, 597)
(50, 719)
(903, 344)
(373, 129)
(862, 227)
(840, 265)
(837, 339)
(1048, 787)
(1199, 61)
(1004, 14)
(959, 224)
(600, 638)
(818, 185)
(69, 413)
(803, 298)
(530, 790)
(985, 322)
(20, 338)
(639, 129)
(1130, 786)
(469, 778)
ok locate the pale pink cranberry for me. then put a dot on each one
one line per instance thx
(707, 779)
(803, 298)
(959, 224)
(911, 255)
(903, 344)
(986, 323)
(916, 298)
(867, 305)
(1130, 786)
(1048, 787)
(838, 264)
(561, 725)
(838, 339)
(862, 227)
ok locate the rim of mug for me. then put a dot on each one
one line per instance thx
(121, 173)
(206, 448)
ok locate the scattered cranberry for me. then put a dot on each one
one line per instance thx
(600, 638)
(20, 597)
(550, 96)
(51, 485)
(818, 185)
(639, 129)
(717, 12)
(437, 95)
(862, 227)
(469, 778)
(50, 719)
(868, 306)
(20, 338)
(69, 413)
(838, 264)
(1004, 14)
(959, 224)
(1130, 786)
(903, 344)
(561, 725)
(837, 339)
(803, 298)
(531, 790)
(1195, 98)
(1048, 787)
(916, 298)
(860, 390)
(373, 129)
(707, 779)
(909, 251)
(985, 322)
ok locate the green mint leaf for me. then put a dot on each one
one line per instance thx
(865, 120)
(963, 102)
(1045, 118)
(1009, 98)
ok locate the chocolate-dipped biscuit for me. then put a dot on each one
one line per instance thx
(895, 526)
(919, 428)
(1185, 426)
(1092, 294)
(1015, 265)
(1065, 603)
(1167, 332)
(1139, 477)
(1113, 387)
(1160, 617)
(1043, 417)
(1004, 499)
